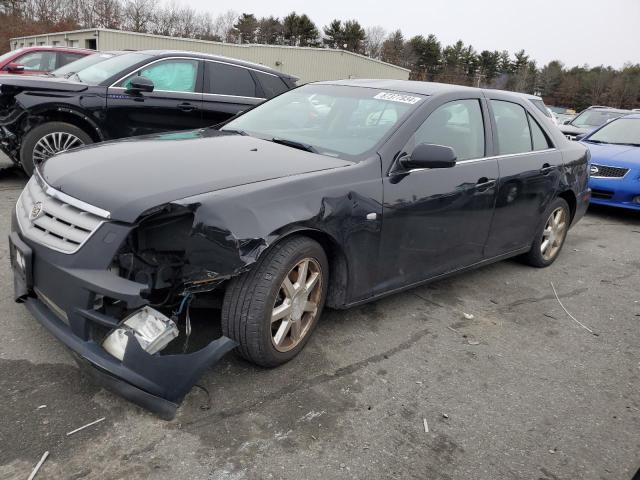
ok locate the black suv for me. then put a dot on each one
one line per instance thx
(135, 93)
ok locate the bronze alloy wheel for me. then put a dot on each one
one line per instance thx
(553, 234)
(296, 306)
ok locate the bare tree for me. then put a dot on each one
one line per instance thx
(223, 25)
(374, 38)
(138, 15)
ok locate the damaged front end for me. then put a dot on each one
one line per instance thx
(122, 296)
(11, 116)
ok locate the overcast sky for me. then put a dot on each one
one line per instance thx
(577, 32)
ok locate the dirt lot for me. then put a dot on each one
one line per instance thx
(518, 392)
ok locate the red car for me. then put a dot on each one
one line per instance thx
(39, 60)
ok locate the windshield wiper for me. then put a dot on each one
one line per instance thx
(237, 132)
(628, 144)
(293, 144)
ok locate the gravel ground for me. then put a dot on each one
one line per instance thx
(518, 392)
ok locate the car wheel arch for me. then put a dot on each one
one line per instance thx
(68, 115)
(338, 263)
(570, 197)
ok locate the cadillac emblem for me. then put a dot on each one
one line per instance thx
(36, 211)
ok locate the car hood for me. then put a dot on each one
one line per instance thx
(614, 155)
(13, 83)
(129, 177)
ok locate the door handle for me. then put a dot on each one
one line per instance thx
(186, 107)
(547, 169)
(485, 183)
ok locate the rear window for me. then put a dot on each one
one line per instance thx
(272, 85)
(542, 107)
(225, 79)
(65, 58)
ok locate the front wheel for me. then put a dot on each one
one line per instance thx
(272, 310)
(550, 235)
(47, 139)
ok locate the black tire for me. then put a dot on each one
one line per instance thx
(535, 257)
(34, 135)
(250, 298)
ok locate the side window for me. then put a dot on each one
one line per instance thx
(512, 127)
(272, 85)
(538, 137)
(225, 79)
(38, 61)
(66, 58)
(458, 125)
(175, 75)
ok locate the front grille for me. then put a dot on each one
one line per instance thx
(52, 222)
(607, 171)
(603, 194)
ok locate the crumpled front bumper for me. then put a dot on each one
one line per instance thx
(60, 293)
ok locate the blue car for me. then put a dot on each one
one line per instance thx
(615, 163)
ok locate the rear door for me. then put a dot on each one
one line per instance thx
(529, 174)
(174, 104)
(437, 220)
(228, 90)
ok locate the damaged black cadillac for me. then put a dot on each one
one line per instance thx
(333, 194)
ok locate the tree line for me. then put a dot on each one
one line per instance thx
(425, 56)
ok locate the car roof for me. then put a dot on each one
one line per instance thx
(219, 58)
(54, 48)
(634, 116)
(413, 86)
(609, 109)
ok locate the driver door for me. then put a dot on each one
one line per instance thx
(437, 220)
(174, 104)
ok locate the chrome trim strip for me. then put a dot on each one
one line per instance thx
(63, 197)
(475, 160)
(113, 85)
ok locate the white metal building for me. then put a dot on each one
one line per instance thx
(307, 63)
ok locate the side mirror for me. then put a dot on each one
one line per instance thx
(15, 68)
(428, 155)
(580, 137)
(566, 122)
(140, 84)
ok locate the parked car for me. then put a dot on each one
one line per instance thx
(72, 68)
(588, 120)
(135, 93)
(615, 163)
(538, 102)
(39, 60)
(112, 243)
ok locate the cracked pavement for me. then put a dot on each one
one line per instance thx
(527, 392)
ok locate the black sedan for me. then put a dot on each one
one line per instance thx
(333, 194)
(131, 94)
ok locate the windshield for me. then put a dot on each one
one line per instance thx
(595, 118)
(9, 54)
(625, 131)
(81, 64)
(334, 120)
(99, 72)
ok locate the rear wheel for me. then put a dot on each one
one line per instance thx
(550, 235)
(272, 310)
(47, 139)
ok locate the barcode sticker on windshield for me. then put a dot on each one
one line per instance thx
(396, 97)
